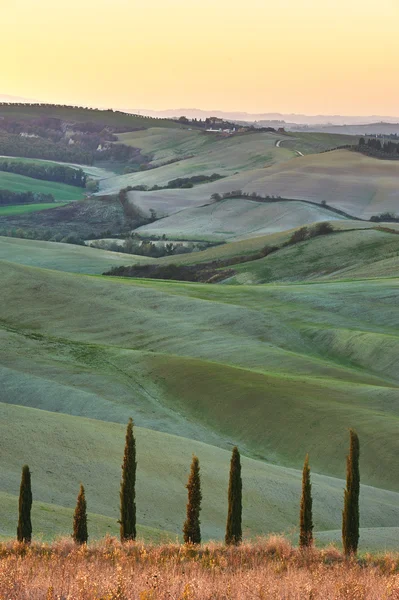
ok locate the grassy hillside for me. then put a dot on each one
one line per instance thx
(360, 185)
(78, 449)
(61, 191)
(63, 257)
(23, 209)
(79, 114)
(200, 153)
(84, 218)
(352, 255)
(219, 363)
(357, 184)
(237, 218)
(315, 142)
(94, 172)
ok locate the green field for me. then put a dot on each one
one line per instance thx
(357, 184)
(313, 142)
(199, 153)
(344, 255)
(61, 191)
(64, 257)
(237, 218)
(281, 370)
(94, 172)
(22, 209)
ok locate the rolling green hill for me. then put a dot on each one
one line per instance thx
(237, 218)
(199, 153)
(23, 209)
(192, 358)
(357, 184)
(352, 254)
(64, 257)
(61, 191)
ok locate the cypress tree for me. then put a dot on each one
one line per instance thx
(350, 514)
(80, 519)
(24, 529)
(234, 514)
(128, 487)
(305, 515)
(191, 528)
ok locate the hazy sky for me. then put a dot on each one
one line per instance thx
(311, 56)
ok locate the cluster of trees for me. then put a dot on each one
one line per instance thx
(380, 149)
(240, 194)
(82, 143)
(9, 198)
(39, 147)
(386, 217)
(145, 247)
(306, 233)
(192, 523)
(48, 172)
(180, 182)
(44, 234)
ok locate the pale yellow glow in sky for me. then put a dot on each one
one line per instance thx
(311, 56)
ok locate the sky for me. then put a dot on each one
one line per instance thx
(303, 56)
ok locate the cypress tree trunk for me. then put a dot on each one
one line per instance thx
(80, 535)
(128, 487)
(234, 514)
(24, 529)
(350, 514)
(191, 528)
(305, 515)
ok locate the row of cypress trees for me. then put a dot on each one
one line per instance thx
(191, 527)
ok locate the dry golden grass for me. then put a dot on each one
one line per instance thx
(268, 569)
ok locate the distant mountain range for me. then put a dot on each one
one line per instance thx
(8, 98)
(287, 118)
(352, 124)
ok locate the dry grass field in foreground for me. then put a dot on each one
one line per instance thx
(267, 569)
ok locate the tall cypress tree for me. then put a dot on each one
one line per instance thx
(128, 487)
(350, 514)
(191, 528)
(80, 535)
(305, 515)
(24, 529)
(234, 514)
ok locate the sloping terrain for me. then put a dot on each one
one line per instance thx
(357, 184)
(352, 255)
(235, 218)
(281, 370)
(83, 115)
(63, 257)
(60, 191)
(152, 341)
(83, 218)
(199, 153)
